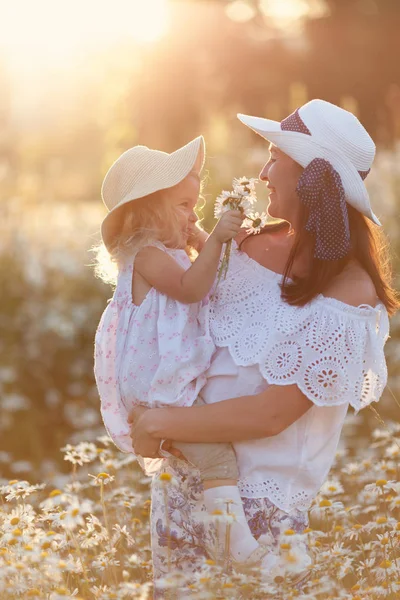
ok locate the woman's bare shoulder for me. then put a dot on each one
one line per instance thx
(353, 286)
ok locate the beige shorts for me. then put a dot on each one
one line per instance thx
(214, 461)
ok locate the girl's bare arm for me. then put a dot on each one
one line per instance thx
(163, 273)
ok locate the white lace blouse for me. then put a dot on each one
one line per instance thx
(332, 351)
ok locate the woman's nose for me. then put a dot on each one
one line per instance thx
(264, 173)
(193, 217)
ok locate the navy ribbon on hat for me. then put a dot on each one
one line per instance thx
(320, 188)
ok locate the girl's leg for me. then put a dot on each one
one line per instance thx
(219, 473)
(223, 495)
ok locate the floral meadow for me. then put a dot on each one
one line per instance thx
(74, 519)
(77, 91)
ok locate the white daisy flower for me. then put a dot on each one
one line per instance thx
(73, 515)
(331, 487)
(105, 560)
(255, 222)
(245, 187)
(85, 452)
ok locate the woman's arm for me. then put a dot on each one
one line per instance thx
(244, 418)
(162, 272)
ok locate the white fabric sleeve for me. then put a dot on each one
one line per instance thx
(332, 351)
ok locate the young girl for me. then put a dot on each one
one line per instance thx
(153, 344)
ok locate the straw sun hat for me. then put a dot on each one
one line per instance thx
(141, 171)
(321, 130)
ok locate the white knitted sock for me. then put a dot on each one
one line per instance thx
(242, 542)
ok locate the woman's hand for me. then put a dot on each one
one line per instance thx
(143, 443)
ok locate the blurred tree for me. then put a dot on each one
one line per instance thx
(353, 51)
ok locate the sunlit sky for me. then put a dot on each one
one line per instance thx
(44, 43)
(40, 33)
(36, 33)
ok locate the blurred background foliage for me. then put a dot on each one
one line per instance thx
(82, 82)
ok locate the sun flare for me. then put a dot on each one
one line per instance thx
(44, 32)
(284, 11)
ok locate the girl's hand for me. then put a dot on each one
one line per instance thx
(197, 238)
(228, 226)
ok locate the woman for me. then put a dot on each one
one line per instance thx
(300, 325)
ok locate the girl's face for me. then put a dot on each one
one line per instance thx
(183, 197)
(281, 173)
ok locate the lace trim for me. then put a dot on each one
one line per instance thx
(270, 489)
(332, 351)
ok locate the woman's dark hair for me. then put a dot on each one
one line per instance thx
(369, 247)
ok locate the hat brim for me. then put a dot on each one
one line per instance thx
(302, 148)
(174, 168)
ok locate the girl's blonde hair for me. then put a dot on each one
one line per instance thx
(140, 223)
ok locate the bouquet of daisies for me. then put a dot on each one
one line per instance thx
(242, 197)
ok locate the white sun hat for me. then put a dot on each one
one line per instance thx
(141, 171)
(320, 129)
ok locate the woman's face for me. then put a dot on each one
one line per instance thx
(183, 197)
(281, 174)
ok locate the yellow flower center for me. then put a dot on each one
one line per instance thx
(381, 482)
(291, 557)
(385, 564)
(325, 503)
